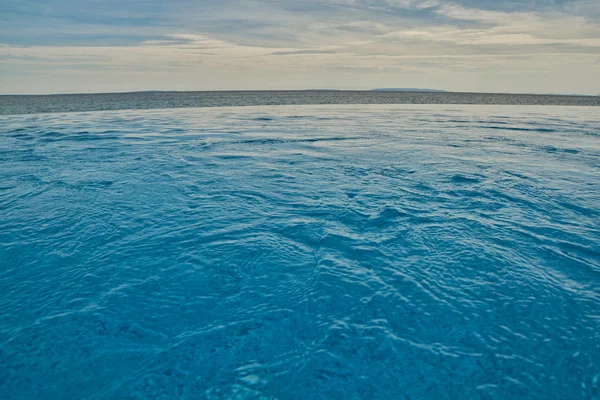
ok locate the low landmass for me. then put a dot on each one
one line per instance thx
(408, 90)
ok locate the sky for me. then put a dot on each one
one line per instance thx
(519, 46)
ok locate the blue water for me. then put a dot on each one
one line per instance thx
(301, 252)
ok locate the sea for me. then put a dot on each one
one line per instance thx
(20, 104)
(152, 247)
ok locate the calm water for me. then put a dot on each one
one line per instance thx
(301, 252)
(10, 105)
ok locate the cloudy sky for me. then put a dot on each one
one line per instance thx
(69, 46)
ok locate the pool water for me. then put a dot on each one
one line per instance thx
(343, 252)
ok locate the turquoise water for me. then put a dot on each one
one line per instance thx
(347, 252)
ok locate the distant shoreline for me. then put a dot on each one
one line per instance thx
(409, 90)
(377, 90)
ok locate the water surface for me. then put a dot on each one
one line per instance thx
(11, 105)
(417, 252)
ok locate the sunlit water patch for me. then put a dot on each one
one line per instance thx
(376, 252)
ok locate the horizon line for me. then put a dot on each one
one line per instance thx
(374, 90)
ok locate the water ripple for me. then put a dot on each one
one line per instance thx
(302, 251)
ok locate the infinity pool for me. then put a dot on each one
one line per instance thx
(343, 252)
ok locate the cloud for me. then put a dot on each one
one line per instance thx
(257, 44)
(495, 28)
